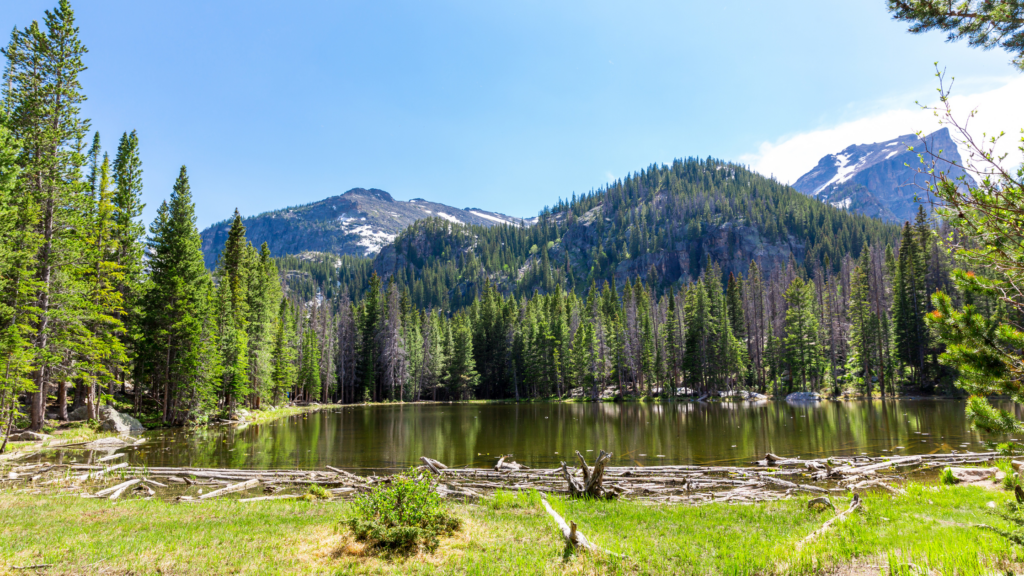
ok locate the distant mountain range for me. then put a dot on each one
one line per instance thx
(881, 180)
(357, 223)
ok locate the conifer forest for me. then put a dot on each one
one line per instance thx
(613, 292)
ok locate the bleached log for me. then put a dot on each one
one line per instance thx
(124, 486)
(101, 472)
(279, 497)
(231, 489)
(433, 465)
(112, 457)
(348, 475)
(154, 483)
(572, 536)
(895, 462)
(112, 489)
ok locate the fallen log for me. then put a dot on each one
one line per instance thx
(837, 518)
(280, 497)
(340, 472)
(231, 489)
(572, 536)
(112, 489)
(100, 472)
(433, 465)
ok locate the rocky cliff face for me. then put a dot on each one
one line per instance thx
(882, 179)
(359, 222)
(732, 245)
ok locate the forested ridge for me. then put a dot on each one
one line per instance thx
(690, 278)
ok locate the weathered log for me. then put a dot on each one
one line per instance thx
(112, 489)
(100, 472)
(572, 536)
(154, 483)
(895, 462)
(433, 465)
(112, 457)
(348, 475)
(124, 486)
(279, 497)
(231, 489)
(837, 518)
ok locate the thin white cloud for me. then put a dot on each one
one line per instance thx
(999, 109)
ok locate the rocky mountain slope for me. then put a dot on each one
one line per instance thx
(881, 180)
(357, 223)
(667, 224)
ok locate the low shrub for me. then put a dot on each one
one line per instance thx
(316, 492)
(946, 477)
(402, 515)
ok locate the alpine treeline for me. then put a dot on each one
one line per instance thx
(859, 329)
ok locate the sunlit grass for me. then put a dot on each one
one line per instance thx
(928, 528)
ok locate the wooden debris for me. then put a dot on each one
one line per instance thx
(100, 472)
(433, 465)
(120, 487)
(573, 537)
(112, 457)
(278, 497)
(347, 475)
(231, 489)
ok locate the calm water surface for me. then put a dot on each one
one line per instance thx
(540, 435)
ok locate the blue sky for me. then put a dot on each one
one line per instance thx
(500, 105)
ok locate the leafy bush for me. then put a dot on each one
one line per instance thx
(402, 514)
(1008, 448)
(946, 477)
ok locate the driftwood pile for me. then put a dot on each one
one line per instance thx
(770, 479)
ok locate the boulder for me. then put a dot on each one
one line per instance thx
(29, 436)
(121, 423)
(800, 397)
(970, 475)
(82, 413)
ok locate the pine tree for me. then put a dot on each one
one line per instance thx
(803, 352)
(233, 274)
(309, 366)
(129, 235)
(44, 98)
(178, 350)
(282, 376)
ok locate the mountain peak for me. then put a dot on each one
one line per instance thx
(372, 193)
(880, 179)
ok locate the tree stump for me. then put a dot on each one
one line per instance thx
(592, 484)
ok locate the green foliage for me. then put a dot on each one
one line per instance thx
(987, 418)
(402, 515)
(984, 23)
(946, 477)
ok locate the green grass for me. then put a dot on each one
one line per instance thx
(928, 528)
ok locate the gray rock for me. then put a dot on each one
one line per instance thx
(799, 397)
(82, 413)
(29, 436)
(121, 423)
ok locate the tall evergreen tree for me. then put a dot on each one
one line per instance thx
(178, 352)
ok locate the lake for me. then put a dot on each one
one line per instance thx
(388, 437)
